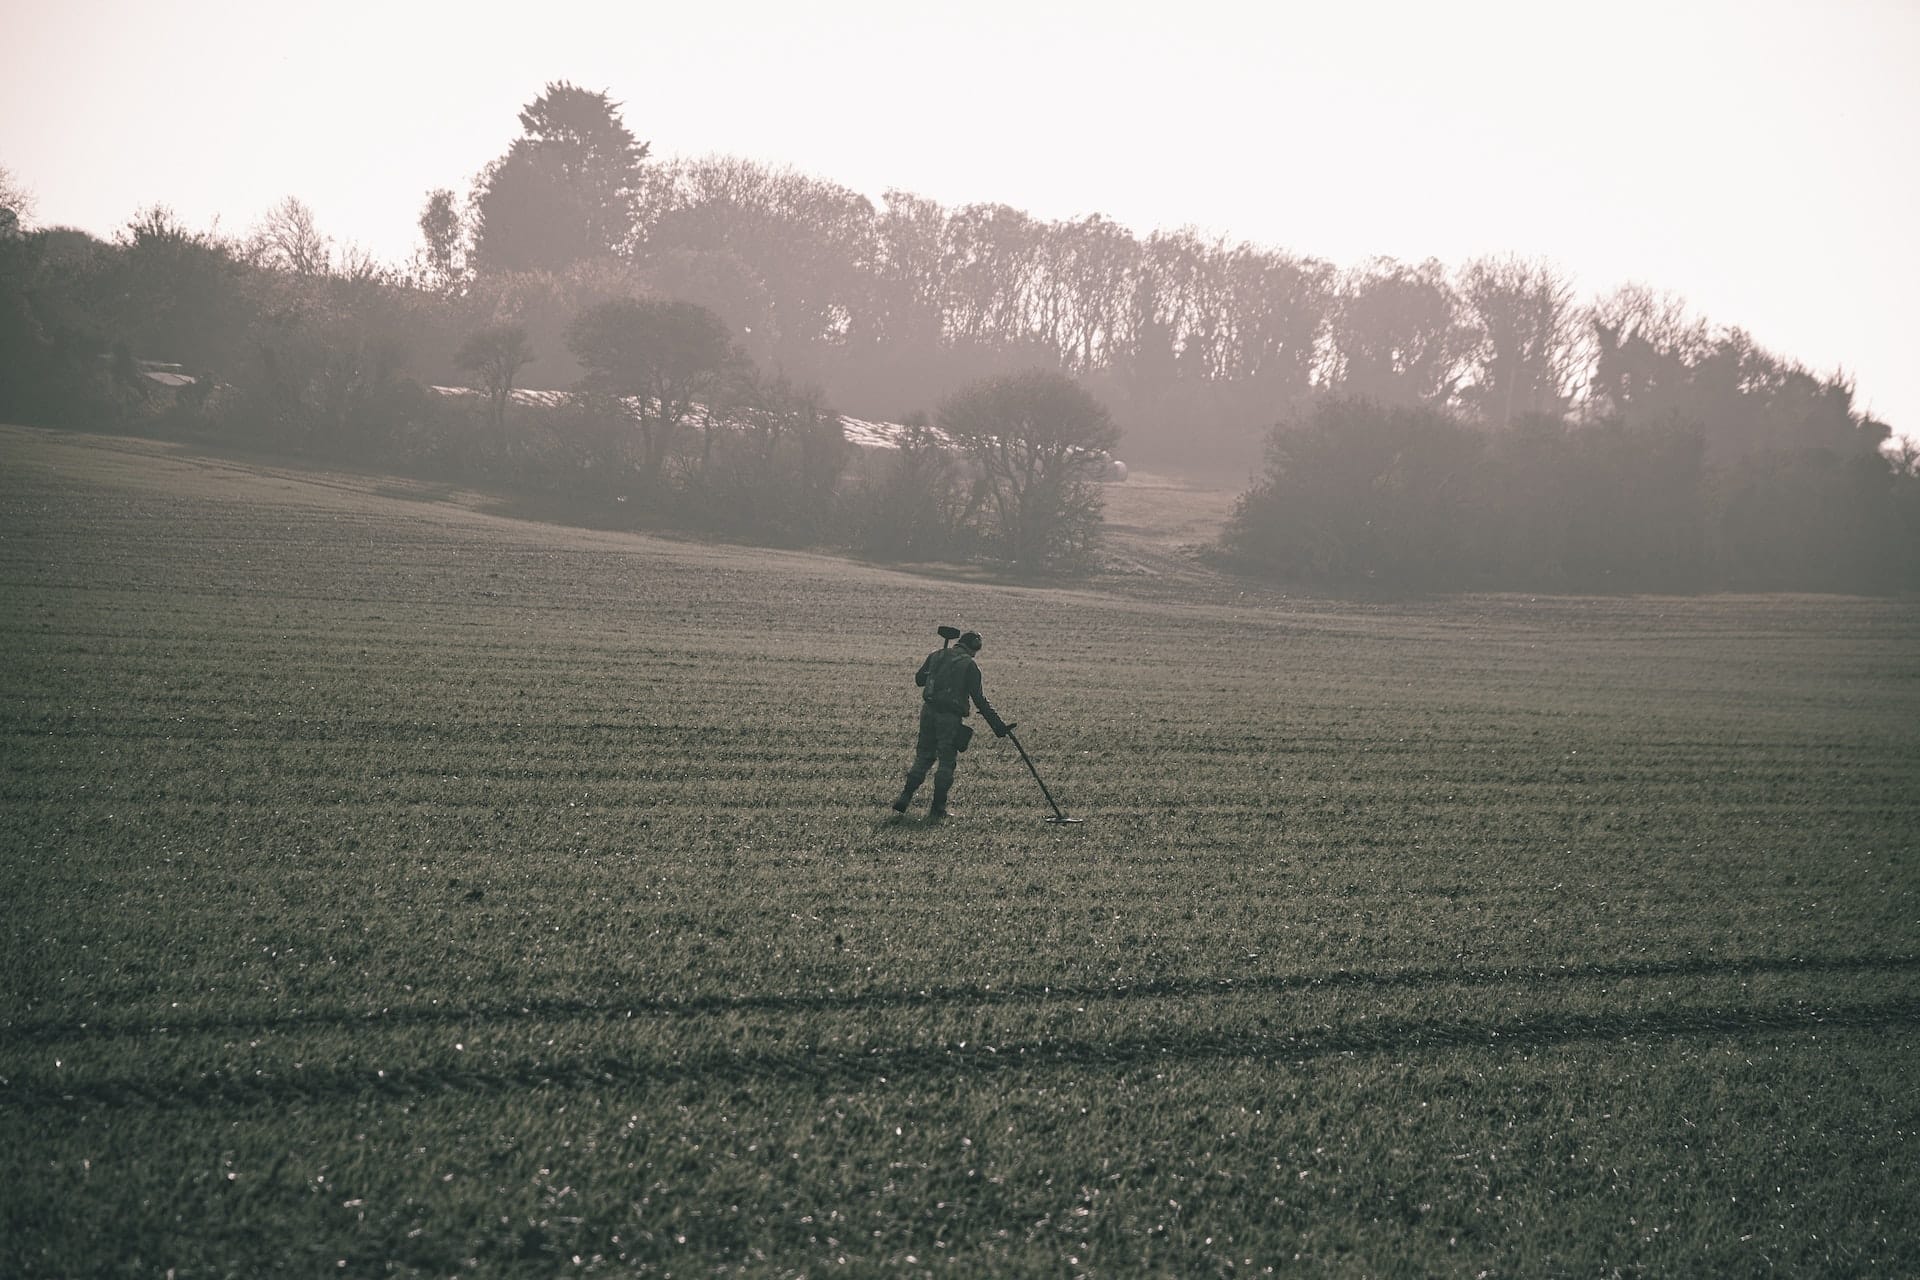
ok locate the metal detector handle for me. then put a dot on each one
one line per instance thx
(1036, 774)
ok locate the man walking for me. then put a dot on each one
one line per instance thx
(950, 681)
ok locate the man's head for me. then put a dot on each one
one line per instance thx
(971, 641)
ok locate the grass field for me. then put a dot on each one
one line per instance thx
(398, 888)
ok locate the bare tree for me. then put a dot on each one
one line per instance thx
(1039, 441)
(442, 228)
(664, 356)
(1903, 457)
(16, 204)
(909, 267)
(991, 264)
(1525, 332)
(1396, 337)
(1645, 343)
(290, 240)
(812, 244)
(356, 264)
(1662, 318)
(495, 355)
(1095, 258)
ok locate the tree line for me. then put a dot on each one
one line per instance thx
(1692, 460)
(1487, 398)
(667, 420)
(1195, 344)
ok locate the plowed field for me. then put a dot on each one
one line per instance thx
(400, 888)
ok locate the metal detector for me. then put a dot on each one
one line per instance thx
(1058, 817)
(947, 635)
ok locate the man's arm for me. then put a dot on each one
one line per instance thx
(977, 692)
(920, 676)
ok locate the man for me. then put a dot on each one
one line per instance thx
(950, 679)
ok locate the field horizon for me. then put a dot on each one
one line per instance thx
(404, 887)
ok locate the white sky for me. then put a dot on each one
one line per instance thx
(1761, 158)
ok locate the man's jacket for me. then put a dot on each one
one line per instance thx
(951, 680)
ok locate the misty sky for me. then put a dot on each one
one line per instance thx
(1757, 157)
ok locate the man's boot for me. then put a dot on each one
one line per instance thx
(905, 798)
(939, 809)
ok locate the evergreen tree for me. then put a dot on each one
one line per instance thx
(566, 189)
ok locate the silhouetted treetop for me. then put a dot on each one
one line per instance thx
(566, 189)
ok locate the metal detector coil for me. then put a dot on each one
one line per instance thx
(1058, 818)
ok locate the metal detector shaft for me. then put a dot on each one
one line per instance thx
(1036, 776)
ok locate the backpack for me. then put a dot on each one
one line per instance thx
(948, 682)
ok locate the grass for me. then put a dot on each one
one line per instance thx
(401, 889)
